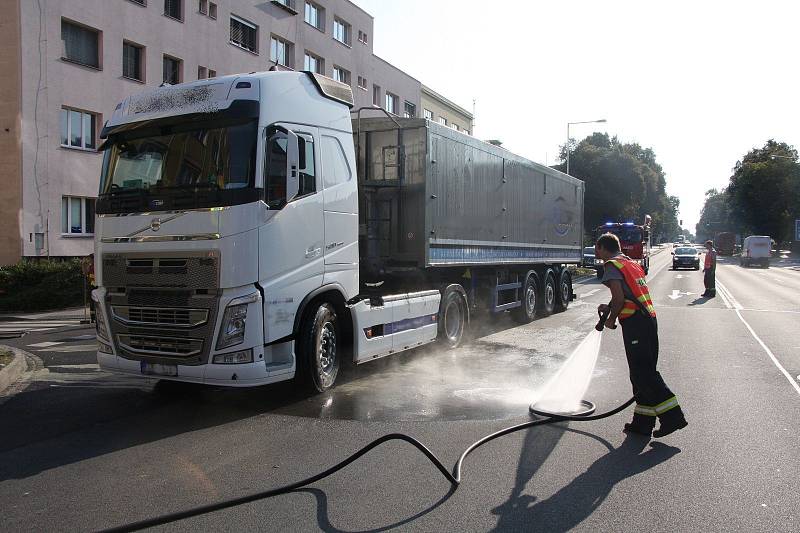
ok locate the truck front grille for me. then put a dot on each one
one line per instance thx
(160, 346)
(160, 316)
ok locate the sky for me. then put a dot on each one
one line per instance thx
(701, 83)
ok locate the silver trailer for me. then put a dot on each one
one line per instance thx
(433, 197)
(440, 205)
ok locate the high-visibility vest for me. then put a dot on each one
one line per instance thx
(634, 279)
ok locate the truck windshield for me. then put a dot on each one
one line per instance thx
(180, 168)
(628, 234)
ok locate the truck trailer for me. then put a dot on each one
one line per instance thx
(252, 229)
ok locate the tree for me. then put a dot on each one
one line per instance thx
(716, 215)
(623, 182)
(765, 190)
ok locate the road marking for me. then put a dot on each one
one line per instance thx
(679, 276)
(588, 293)
(71, 348)
(730, 301)
(676, 293)
(43, 344)
(758, 339)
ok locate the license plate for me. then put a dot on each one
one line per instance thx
(158, 369)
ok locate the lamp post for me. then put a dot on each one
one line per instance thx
(572, 124)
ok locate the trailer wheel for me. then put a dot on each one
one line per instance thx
(564, 291)
(452, 316)
(549, 294)
(526, 312)
(318, 348)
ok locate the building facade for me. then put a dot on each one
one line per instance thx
(68, 63)
(439, 109)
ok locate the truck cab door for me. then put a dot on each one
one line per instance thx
(291, 240)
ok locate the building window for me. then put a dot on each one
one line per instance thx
(202, 73)
(362, 37)
(212, 10)
(428, 113)
(244, 34)
(341, 31)
(78, 129)
(443, 121)
(342, 75)
(313, 63)
(140, 2)
(409, 110)
(133, 61)
(203, 7)
(376, 95)
(77, 215)
(280, 51)
(286, 3)
(362, 83)
(173, 70)
(212, 73)
(174, 9)
(80, 44)
(391, 103)
(315, 16)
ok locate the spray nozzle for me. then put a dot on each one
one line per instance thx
(603, 317)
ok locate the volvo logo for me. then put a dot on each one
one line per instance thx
(155, 224)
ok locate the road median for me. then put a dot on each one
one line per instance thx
(13, 370)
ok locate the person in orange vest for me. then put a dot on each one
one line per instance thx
(631, 303)
(710, 270)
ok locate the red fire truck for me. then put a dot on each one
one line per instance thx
(633, 238)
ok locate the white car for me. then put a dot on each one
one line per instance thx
(756, 249)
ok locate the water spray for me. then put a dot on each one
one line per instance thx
(581, 414)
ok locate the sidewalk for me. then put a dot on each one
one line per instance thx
(72, 313)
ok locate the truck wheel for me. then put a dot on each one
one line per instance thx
(526, 312)
(452, 316)
(318, 343)
(564, 295)
(599, 272)
(548, 304)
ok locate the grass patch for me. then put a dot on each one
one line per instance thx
(6, 357)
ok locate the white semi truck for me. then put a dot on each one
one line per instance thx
(251, 229)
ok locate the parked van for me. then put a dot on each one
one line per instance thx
(756, 249)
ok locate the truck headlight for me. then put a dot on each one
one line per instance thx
(234, 321)
(102, 347)
(234, 358)
(101, 331)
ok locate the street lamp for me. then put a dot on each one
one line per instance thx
(573, 123)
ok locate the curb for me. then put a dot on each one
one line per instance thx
(12, 372)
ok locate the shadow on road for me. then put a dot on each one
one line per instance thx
(575, 502)
(700, 301)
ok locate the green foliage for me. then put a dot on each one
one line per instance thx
(41, 285)
(623, 182)
(764, 190)
(716, 215)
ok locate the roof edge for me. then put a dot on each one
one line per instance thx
(433, 94)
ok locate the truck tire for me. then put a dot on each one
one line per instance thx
(318, 357)
(453, 316)
(600, 272)
(564, 295)
(526, 312)
(549, 292)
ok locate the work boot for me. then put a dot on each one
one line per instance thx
(641, 425)
(671, 421)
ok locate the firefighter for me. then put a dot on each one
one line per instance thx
(631, 302)
(710, 270)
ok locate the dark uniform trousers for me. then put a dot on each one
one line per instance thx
(709, 280)
(653, 397)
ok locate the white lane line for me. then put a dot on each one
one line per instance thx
(588, 293)
(758, 339)
(44, 344)
(71, 348)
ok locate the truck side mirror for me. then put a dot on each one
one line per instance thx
(292, 166)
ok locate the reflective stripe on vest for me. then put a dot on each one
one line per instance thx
(634, 279)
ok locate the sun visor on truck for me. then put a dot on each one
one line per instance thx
(332, 89)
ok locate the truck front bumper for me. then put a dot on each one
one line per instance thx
(238, 375)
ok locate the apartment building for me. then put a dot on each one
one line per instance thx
(439, 109)
(67, 63)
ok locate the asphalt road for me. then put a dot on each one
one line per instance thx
(81, 449)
